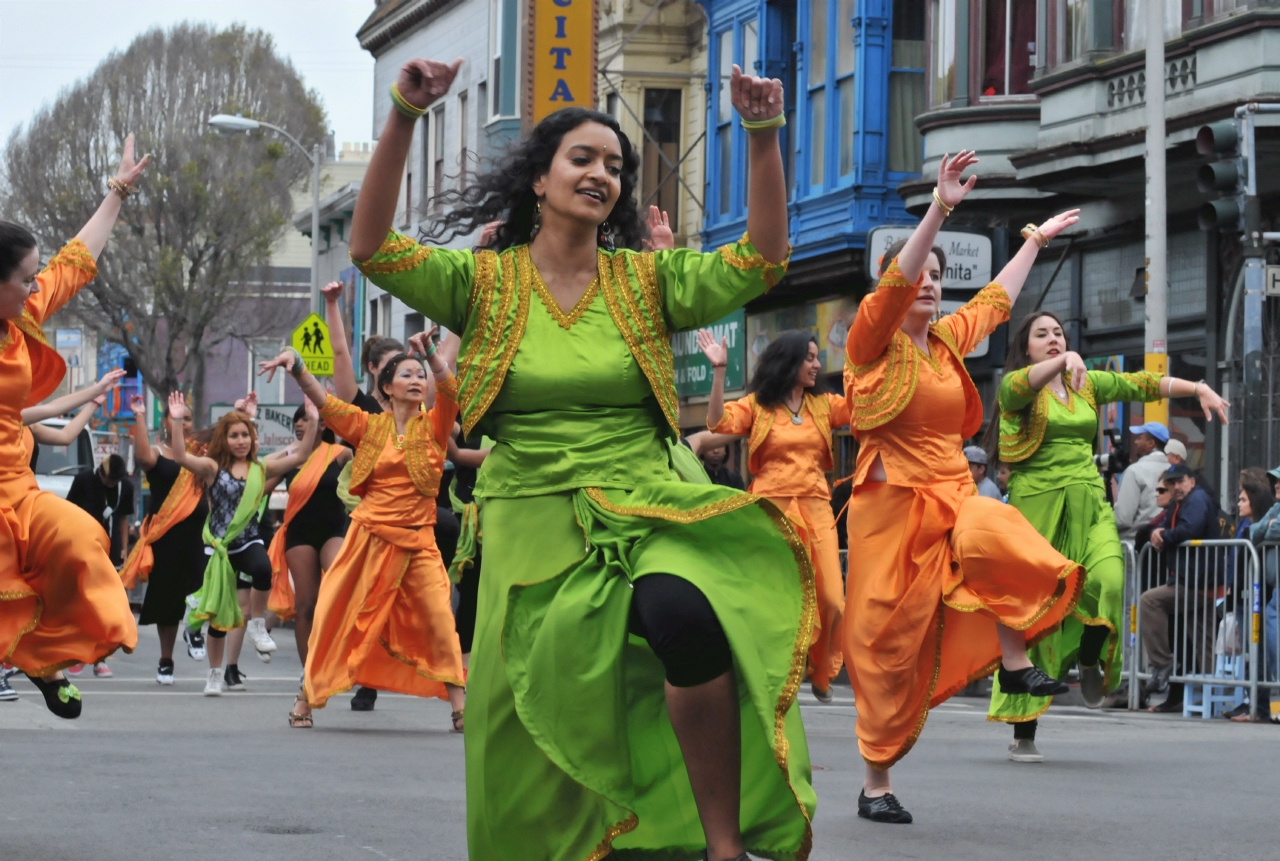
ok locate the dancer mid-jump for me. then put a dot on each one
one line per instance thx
(944, 586)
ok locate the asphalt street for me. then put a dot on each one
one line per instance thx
(151, 773)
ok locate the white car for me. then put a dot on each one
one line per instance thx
(58, 465)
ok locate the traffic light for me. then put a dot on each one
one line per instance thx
(1226, 176)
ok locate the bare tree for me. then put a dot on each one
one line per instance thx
(172, 282)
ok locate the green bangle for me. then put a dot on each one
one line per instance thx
(411, 111)
(753, 126)
(299, 364)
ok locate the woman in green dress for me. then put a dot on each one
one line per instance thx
(640, 636)
(1049, 407)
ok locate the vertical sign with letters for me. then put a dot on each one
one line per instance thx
(563, 67)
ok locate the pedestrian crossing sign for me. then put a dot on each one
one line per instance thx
(311, 340)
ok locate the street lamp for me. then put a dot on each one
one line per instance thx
(229, 125)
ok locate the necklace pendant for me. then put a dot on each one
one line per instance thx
(796, 420)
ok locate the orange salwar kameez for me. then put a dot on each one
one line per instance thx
(384, 617)
(932, 566)
(61, 600)
(788, 464)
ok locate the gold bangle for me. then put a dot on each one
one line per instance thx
(1031, 231)
(403, 105)
(753, 126)
(946, 210)
(121, 188)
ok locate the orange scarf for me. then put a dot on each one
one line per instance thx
(183, 498)
(281, 599)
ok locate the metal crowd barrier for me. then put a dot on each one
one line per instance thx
(1212, 591)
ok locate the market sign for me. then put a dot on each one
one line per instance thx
(968, 256)
(274, 422)
(693, 371)
(563, 71)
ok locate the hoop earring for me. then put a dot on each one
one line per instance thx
(606, 236)
(537, 219)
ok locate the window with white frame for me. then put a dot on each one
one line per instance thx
(906, 87)
(942, 62)
(1008, 47)
(264, 350)
(437, 155)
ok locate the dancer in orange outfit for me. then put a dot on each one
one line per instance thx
(61, 601)
(944, 586)
(787, 420)
(384, 616)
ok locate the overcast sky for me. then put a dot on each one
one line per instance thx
(46, 45)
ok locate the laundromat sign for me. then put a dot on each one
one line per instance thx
(968, 256)
(563, 70)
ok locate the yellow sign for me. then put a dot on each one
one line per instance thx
(311, 340)
(563, 70)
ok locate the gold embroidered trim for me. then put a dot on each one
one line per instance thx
(799, 658)
(376, 434)
(671, 514)
(995, 295)
(471, 367)
(574, 314)
(410, 255)
(522, 300)
(1025, 441)
(1147, 383)
(772, 273)
(761, 424)
(657, 334)
(76, 255)
(1020, 383)
(420, 445)
(640, 339)
(30, 327)
(901, 376)
(605, 846)
(513, 287)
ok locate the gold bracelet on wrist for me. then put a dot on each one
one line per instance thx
(937, 198)
(1031, 231)
(405, 107)
(120, 187)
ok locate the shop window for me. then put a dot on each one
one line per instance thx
(817, 54)
(844, 84)
(906, 87)
(724, 120)
(659, 183)
(1009, 34)
(942, 65)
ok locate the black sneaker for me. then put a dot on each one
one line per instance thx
(233, 678)
(195, 643)
(364, 699)
(1031, 680)
(884, 808)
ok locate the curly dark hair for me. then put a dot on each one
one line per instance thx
(776, 373)
(505, 193)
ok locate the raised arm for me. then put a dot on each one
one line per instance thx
(97, 230)
(297, 368)
(67, 403)
(1014, 274)
(758, 102)
(344, 369)
(204, 468)
(946, 197)
(280, 462)
(421, 82)
(144, 452)
(718, 356)
(425, 344)
(67, 434)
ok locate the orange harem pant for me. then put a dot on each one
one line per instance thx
(931, 570)
(61, 599)
(812, 515)
(384, 617)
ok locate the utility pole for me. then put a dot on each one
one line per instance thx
(315, 229)
(1254, 286)
(1157, 302)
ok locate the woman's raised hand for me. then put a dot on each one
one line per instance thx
(284, 360)
(109, 380)
(950, 188)
(137, 404)
(309, 409)
(755, 98)
(717, 354)
(131, 169)
(421, 82)
(1074, 369)
(1058, 223)
(661, 237)
(332, 290)
(418, 344)
(248, 405)
(177, 406)
(1212, 403)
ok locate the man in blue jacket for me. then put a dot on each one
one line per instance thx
(1192, 515)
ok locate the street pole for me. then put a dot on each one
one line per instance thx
(1254, 287)
(1157, 313)
(315, 229)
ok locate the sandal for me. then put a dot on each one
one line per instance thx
(62, 697)
(297, 720)
(456, 717)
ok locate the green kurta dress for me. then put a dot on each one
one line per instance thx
(570, 752)
(1054, 483)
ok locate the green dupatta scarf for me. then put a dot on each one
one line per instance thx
(217, 600)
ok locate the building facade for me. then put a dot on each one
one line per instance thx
(1051, 93)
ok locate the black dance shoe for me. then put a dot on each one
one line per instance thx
(364, 699)
(62, 697)
(883, 808)
(1032, 680)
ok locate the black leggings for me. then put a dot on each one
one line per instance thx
(468, 595)
(253, 568)
(677, 620)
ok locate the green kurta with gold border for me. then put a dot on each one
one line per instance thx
(570, 753)
(1049, 444)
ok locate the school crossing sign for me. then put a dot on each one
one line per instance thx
(311, 340)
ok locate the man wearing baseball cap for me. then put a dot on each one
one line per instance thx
(977, 457)
(1136, 502)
